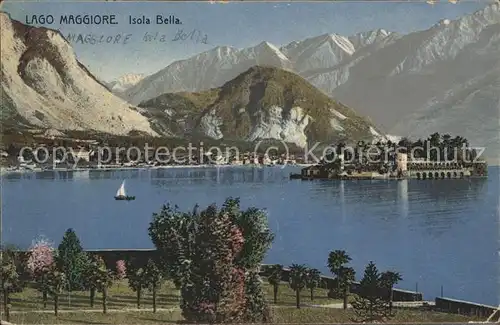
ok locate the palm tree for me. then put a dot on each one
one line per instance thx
(388, 279)
(336, 259)
(313, 279)
(347, 277)
(298, 273)
(274, 279)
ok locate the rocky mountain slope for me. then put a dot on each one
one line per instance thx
(44, 85)
(442, 79)
(261, 103)
(124, 82)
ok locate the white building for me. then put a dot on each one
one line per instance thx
(402, 162)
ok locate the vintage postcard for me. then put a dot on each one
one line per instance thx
(250, 162)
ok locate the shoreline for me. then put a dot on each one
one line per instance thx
(5, 171)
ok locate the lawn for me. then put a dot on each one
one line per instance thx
(120, 296)
(281, 315)
(121, 299)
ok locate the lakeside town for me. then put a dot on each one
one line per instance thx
(437, 157)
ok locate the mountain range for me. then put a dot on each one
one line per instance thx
(44, 85)
(444, 79)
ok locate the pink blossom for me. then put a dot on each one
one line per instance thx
(237, 239)
(121, 269)
(41, 256)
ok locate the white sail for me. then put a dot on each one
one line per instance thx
(121, 190)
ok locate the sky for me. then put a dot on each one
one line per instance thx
(236, 24)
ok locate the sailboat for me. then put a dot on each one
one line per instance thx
(121, 194)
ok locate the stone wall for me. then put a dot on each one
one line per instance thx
(463, 307)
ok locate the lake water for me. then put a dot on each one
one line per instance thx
(436, 233)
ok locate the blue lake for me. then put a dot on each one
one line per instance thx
(436, 233)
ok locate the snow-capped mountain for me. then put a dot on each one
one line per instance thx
(43, 84)
(206, 70)
(437, 80)
(125, 82)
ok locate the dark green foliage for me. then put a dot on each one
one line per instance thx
(91, 276)
(72, 260)
(152, 279)
(255, 229)
(104, 281)
(388, 279)
(56, 282)
(274, 279)
(298, 280)
(136, 280)
(11, 273)
(336, 260)
(172, 232)
(370, 305)
(313, 279)
(256, 307)
(346, 278)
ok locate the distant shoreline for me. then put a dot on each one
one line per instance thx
(5, 171)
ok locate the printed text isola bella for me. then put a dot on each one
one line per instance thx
(102, 20)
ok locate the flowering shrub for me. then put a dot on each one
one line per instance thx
(121, 270)
(41, 256)
(208, 253)
(40, 262)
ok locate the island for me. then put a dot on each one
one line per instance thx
(438, 157)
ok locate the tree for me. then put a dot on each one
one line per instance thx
(136, 280)
(346, 277)
(92, 276)
(313, 279)
(368, 304)
(11, 276)
(298, 275)
(388, 279)
(274, 279)
(172, 232)
(256, 308)
(104, 282)
(121, 270)
(336, 259)
(56, 281)
(215, 290)
(253, 225)
(41, 257)
(71, 260)
(152, 279)
(210, 255)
